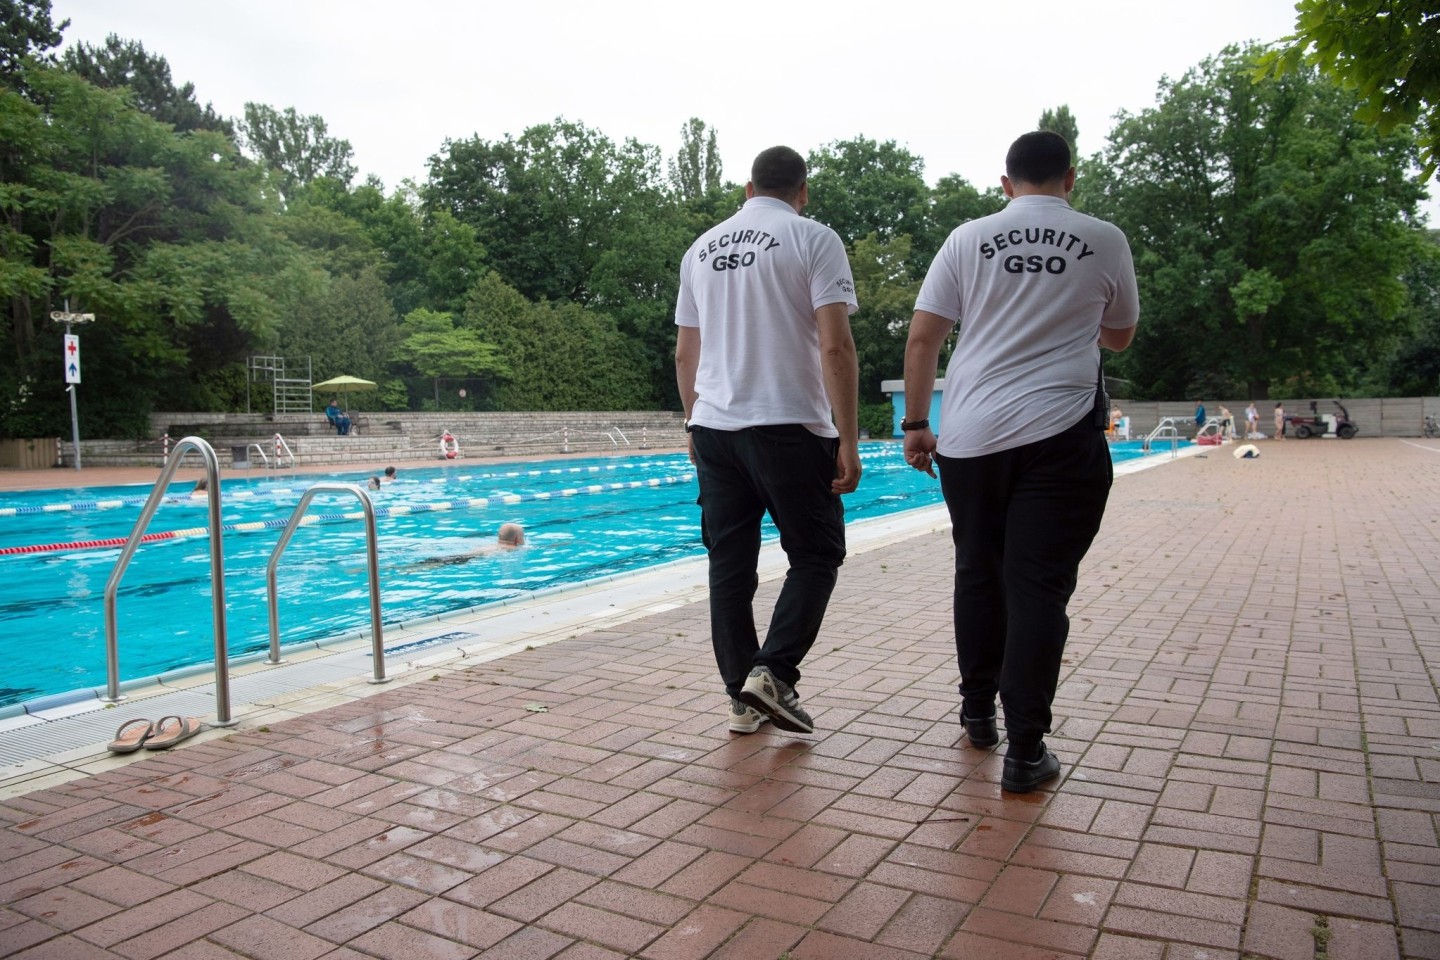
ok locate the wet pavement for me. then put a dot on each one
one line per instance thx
(1248, 724)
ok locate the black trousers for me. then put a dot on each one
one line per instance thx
(1022, 521)
(785, 470)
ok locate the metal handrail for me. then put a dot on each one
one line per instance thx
(372, 562)
(217, 577)
(1164, 430)
(260, 450)
(280, 444)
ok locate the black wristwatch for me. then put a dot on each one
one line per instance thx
(908, 425)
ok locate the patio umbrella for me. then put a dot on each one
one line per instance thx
(343, 385)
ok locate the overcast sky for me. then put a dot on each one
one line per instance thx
(952, 82)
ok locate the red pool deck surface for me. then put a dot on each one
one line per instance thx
(1247, 719)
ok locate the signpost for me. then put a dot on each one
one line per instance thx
(72, 367)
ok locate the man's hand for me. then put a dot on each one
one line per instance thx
(920, 450)
(847, 469)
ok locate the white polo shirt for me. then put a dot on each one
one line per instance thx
(752, 285)
(1030, 287)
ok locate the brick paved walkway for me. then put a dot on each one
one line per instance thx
(1248, 722)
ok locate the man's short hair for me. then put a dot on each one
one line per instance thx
(1039, 157)
(778, 172)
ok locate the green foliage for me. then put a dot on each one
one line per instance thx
(299, 149)
(860, 186)
(26, 30)
(1387, 51)
(1413, 369)
(695, 171)
(560, 356)
(877, 419)
(1270, 233)
(548, 205)
(162, 235)
(436, 348)
(125, 63)
(566, 215)
(886, 292)
(346, 326)
(1063, 122)
(1274, 236)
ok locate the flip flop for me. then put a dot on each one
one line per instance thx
(131, 736)
(171, 730)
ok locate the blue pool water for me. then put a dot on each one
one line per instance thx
(583, 518)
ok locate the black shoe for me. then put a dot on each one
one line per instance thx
(1022, 776)
(981, 731)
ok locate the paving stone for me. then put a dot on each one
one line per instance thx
(1237, 718)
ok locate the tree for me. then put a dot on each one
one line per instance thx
(695, 171)
(160, 234)
(953, 201)
(1413, 370)
(346, 326)
(125, 63)
(436, 348)
(566, 214)
(548, 205)
(298, 148)
(560, 356)
(860, 186)
(886, 290)
(1270, 233)
(26, 30)
(1387, 51)
(1062, 121)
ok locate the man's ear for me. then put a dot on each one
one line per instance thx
(1007, 186)
(749, 189)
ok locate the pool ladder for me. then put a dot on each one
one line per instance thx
(1164, 430)
(217, 575)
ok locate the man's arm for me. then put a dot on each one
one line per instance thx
(1117, 340)
(922, 360)
(687, 361)
(842, 382)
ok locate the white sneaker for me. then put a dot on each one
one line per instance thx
(745, 718)
(776, 699)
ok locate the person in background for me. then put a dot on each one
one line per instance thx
(1024, 467)
(1279, 421)
(511, 535)
(1252, 421)
(1227, 424)
(767, 372)
(1199, 415)
(374, 483)
(389, 475)
(338, 418)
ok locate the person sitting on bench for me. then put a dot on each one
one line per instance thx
(338, 418)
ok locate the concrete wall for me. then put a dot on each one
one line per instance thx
(380, 438)
(1376, 417)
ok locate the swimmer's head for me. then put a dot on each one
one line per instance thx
(511, 535)
(374, 483)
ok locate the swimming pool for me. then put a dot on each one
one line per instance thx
(584, 519)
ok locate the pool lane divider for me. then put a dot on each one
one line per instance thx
(473, 503)
(82, 506)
